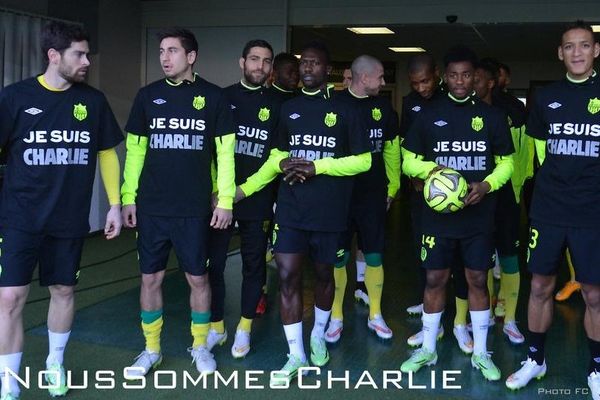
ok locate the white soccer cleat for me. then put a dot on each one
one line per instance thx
(594, 385)
(334, 330)
(241, 344)
(417, 309)
(144, 362)
(463, 338)
(360, 295)
(511, 330)
(203, 358)
(215, 338)
(378, 325)
(529, 370)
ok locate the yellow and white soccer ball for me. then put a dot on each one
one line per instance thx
(445, 191)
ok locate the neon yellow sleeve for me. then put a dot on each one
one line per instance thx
(213, 176)
(265, 174)
(391, 158)
(414, 166)
(501, 173)
(540, 149)
(110, 170)
(344, 166)
(225, 170)
(134, 162)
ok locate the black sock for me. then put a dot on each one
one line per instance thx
(536, 347)
(594, 356)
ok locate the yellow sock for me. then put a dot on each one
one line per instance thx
(341, 279)
(570, 264)
(199, 333)
(245, 325)
(374, 284)
(462, 308)
(152, 334)
(218, 326)
(501, 295)
(511, 284)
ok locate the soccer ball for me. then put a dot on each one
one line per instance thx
(445, 191)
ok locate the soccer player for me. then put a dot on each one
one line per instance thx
(460, 132)
(53, 128)
(347, 78)
(285, 76)
(255, 113)
(175, 126)
(372, 193)
(566, 210)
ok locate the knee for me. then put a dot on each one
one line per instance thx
(541, 289)
(62, 292)
(591, 295)
(12, 301)
(477, 280)
(152, 281)
(198, 282)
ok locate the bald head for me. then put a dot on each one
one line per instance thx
(367, 76)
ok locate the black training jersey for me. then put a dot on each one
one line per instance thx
(51, 139)
(181, 122)
(465, 137)
(282, 95)
(511, 106)
(255, 112)
(567, 187)
(381, 122)
(412, 104)
(315, 127)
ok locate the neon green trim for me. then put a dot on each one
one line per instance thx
(134, 162)
(311, 93)
(374, 259)
(343, 260)
(573, 80)
(265, 174)
(45, 84)
(247, 85)
(344, 166)
(200, 317)
(355, 95)
(391, 159)
(173, 83)
(149, 317)
(110, 171)
(414, 166)
(540, 150)
(281, 89)
(501, 173)
(460, 100)
(225, 170)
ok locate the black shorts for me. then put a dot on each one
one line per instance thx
(547, 245)
(20, 253)
(508, 218)
(187, 236)
(321, 247)
(475, 252)
(368, 222)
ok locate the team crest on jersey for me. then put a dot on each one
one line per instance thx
(199, 102)
(330, 119)
(80, 112)
(264, 114)
(477, 123)
(376, 114)
(594, 105)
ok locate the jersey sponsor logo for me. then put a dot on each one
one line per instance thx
(199, 102)
(313, 140)
(460, 146)
(463, 163)
(58, 155)
(295, 116)
(176, 141)
(477, 123)
(554, 105)
(570, 128)
(376, 136)
(594, 105)
(33, 111)
(573, 147)
(159, 101)
(440, 123)
(311, 155)
(250, 132)
(264, 114)
(416, 108)
(376, 114)
(330, 119)
(80, 111)
(249, 148)
(183, 124)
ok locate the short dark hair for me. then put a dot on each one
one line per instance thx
(59, 35)
(320, 47)
(489, 68)
(256, 43)
(579, 24)
(419, 62)
(185, 36)
(282, 59)
(460, 53)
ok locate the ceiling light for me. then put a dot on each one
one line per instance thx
(375, 30)
(407, 49)
(596, 28)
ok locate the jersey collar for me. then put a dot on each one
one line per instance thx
(247, 86)
(355, 95)
(581, 81)
(462, 101)
(173, 83)
(45, 84)
(326, 92)
(281, 89)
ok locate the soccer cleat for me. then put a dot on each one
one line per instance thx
(215, 338)
(419, 358)
(465, 342)
(144, 362)
(500, 310)
(484, 363)
(378, 325)
(417, 339)
(9, 396)
(319, 355)
(529, 370)
(360, 295)
(511, 330)
(594, 385)
(56, 379)
(567, 290)
(288, 372)
(497, 272)
(415, 310)
(203, 358)
(241, 344)
(334, 330)
(261, 307)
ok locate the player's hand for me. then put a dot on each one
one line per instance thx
(239, 194)
(221, 218)
(128, 213)
(289, 167)
(305, 171)
(417, 184)
(112, 228)
(477, 190)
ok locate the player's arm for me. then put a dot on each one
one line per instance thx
(137, 147)
(501, 173)
(110, 170)
(265, 174)
(415, 166)
(391, 159)
(343, 166)
(225, 149)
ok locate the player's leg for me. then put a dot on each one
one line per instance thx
(461, 298)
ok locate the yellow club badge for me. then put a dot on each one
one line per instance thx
(594, 105)
(376, 114)
(330, 119)
(79, 112)
(477, 123)
(199, 102)
(264, 114)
